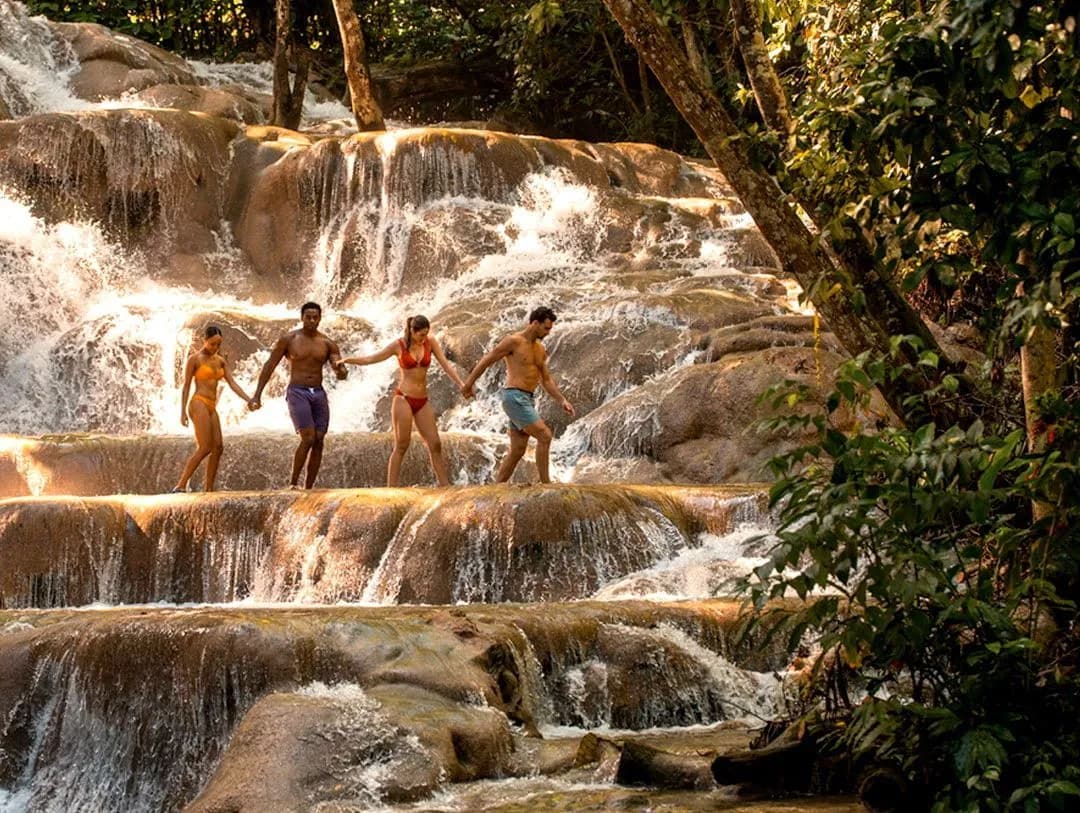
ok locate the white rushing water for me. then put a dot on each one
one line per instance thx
(99, 327)
(36, 66)
(104, 323)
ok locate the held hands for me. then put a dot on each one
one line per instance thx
(466, 391)
(341, 371)
(253, 404)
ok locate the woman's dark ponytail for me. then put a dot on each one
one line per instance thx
(417, 322)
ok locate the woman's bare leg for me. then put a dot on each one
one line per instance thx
(401, 418)
(200, 420)
(217, 446)
(429, 431)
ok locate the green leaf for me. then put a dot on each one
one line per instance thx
(952, 162)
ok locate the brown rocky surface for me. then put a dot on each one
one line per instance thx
(112, 64)
(87, 465)
(487, 543)
(220, 102)
(535, 543)
(700, 422)
(433, 90)
(94, 165)
(638, 679)
(340, 705)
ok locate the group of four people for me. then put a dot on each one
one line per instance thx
(308, 351)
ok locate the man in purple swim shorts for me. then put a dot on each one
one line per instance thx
(308, 350)
(309, 408)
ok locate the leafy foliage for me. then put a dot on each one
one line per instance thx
(948, 139)
(931, 581)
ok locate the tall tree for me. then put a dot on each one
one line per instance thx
(693, 50)
(364, 106)
(288, 104)
(764, 81)
(862, 308)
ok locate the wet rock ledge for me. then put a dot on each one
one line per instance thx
(249, 708)
(414, 546)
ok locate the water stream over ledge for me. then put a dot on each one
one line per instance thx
(356, 647)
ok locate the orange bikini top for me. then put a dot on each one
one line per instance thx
(204, 372)
(407, 362)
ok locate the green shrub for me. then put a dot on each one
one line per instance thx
(936, 588)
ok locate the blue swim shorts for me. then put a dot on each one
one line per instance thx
(308, 407)
(520, 407)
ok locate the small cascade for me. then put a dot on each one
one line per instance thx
(145, 748)
(448, 199)
(635, 680)
(35, 65)
(258, 78)
(154, 709)
(358, 646)
(384, 546)
(50, 272)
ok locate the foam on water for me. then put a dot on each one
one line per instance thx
(36, 66)
(712, 569)
(259, 78)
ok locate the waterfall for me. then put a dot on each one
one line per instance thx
(369, 646)
(35, 65)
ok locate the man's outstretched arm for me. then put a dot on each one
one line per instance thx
(276, 355)
(501, 350)
(335, 360)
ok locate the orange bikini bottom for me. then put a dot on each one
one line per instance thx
(210, 403)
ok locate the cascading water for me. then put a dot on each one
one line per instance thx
(35, 65)
(124, 232)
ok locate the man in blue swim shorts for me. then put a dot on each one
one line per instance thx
(308, 350)
(526, 366)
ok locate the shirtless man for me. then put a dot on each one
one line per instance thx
(526, 366)
(308, 350)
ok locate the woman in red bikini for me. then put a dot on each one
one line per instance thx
(410, 404)
(206, 367)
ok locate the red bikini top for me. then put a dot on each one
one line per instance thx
(407, 362)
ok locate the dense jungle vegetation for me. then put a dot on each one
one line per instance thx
(935, 146)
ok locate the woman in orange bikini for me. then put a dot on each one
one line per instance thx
(207, 368)
(410, 404)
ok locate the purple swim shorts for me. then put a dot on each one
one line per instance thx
(308, 407)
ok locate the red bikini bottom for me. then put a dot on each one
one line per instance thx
(415, 404)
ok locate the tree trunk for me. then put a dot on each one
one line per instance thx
(768, 91)
(643, 80)
(365, 108)
(619, 76)
(288, 106)
(1038, 374)
(833, 287)
(693, 52)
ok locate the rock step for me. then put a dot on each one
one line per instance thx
(257, 706)
(387, 546)
(87, 465)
